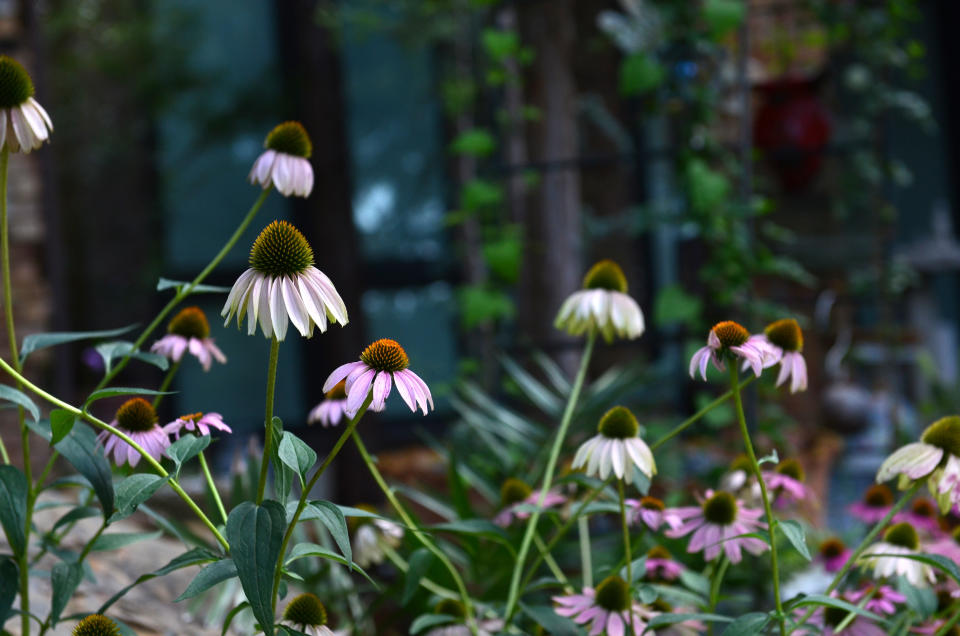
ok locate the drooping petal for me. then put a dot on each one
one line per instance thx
(340, 373)
(381, 389)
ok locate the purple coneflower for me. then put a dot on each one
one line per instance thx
(717, 525)
(24, 124)
(834, 554)
(189, 331)
(883, 598)
(282, 286)
(331, 410)
(661, 566)
(516, 498)
(824, 621)
(785, 338)
(137, 418)
(307, 614)
(876, 503)
(616, 448)
(196, 423)
(382, 364)
(728, 339)
(603, 305)
(285, 162)
(608, 607)
(936, 455)
(887, 560)
(651, 512)
(786, 482)
(923, 514)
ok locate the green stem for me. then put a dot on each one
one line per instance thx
(213, 486)
(626, 542)
(268, 418)
(586, 555)
(187, 289)
(33, 388)
(715, 580)
(771, 520)
(418, 533)
(552, 564)
(880, 525)
(167, 379)
(946, 627)
(305, 495)
(849, 618)
(514, 595)
(690, 421)
(425, 583)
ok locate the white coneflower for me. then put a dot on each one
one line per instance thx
(887, 557)
(616, 448)
(285, 162)
(189, 331)
(370, 535)
(936, 457)
(24, 124)
(307, 614)
(138, 419)
(602, 304)
(282, 286)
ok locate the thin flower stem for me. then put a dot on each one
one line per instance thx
(849, 618)
(552, 564)
(213, 486)
(418, 533)
(626, 541)
(771, 520)
(33, 388)
(425, 583)
(946, 627)
(167, 380)
(690, 421)
(268, 418)
(514, 594)
(880, 525)
(716, 579)
(586, 556)
(187, 289)
(305, 495)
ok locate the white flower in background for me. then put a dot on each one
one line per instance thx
(189, 331)
(602, 305)
(456, 611)
(282, 286)
(616, 448)
(888, 558)
(285, 162)
(307, 614)
(936, 456)
(24, 124)
(333, 407)
(370, 535)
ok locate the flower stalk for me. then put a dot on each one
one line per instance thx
(268, 418)
(626, 541)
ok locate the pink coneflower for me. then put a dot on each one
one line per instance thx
(282, 286)
(948, 546)
(307, 614)
(196, 423)
(24, 124)
(728, 339)
(785, 338)
(834, 554)
(682, 628)
(785, 482)
(602, 305)
(922, 514)
(883, 599)
(331, 410)
(661, 566)
(608, 607)
(936, 455)
(885, 557)
(285, 162)
(876, 503)
(516, 498)
(189, 331)
(137, 418)
(617, 448)
(717, 525)
(651, 512)
(381, 364)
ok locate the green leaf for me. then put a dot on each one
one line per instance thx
(675, 306)
(670, 619)
(166, 283)
(796, 535)
(479, 527)
(186, 448)
(937, 561)
(41, 428)
(695, 581)
(500, 44)
(64, 578)
(640, 73)
(78, 513)
(196, 556)
(424, 621)
(110, 351)
(921, 600)
(477, 194)
(282, 474)
(20, 398)
(829, 601)
(302, 550)
(255, 534)
(480, 305)
(80, 448)
(216, 572)
(120, 390)
(331, 516)
(9, 577)
(552, 622)
(419, 563)
(723, 16)
(61, 423)
(37, 341)
(231, 615)
(476, 142)
(133, 491)
(747, 625)
(119, 540)
(541, 396)
(13, 507)
(296, 454)
(504, 254)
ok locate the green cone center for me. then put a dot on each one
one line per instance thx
(281, 250)
(903, 535)
(191, 322)
(450, 607)
(618, 423)
(785, 334)
(606, 274)
(16, 87)
(720, 509)
(385, 355)
(514, 491)
(306, 610)
(945, 434)
(290, 138)
(613, 594)
(136, 415)
(791, 468)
